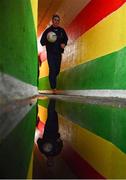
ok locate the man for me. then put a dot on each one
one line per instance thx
(54, 49)
(50, 144)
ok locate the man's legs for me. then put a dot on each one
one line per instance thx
(54, 62)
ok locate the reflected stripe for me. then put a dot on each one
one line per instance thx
(42, 113)
(43, 101)
(78, 165)
(16, 99)
(103, 120)
(11, 116)
(30, 169)
(102, 155)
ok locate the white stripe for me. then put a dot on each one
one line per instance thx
(11, 116)
(12, 88)
(16, 100)
(91, 93)
(97, 93)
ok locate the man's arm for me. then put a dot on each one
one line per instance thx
(43, 40)
(65, 38)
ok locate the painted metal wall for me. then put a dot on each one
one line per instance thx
(18, 84)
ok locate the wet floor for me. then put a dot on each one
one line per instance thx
(59, 170)
(48, 158)
(82, 122)
(92, 130)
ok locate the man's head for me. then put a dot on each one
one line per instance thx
(50, 147)
(55, 20)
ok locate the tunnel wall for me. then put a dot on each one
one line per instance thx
(62, 8)
(92, 43)
(18, 81)
(94, 139)
(94, 59)
(96, 50)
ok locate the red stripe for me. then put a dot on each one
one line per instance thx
(40, 126)
(78, 165)
(94, 12)
(42, 57)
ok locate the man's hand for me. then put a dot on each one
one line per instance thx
(62, 45)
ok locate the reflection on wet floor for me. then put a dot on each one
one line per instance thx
(59, 170)
(93, 135)
(80, 137)
(48, 162)
(50, 144)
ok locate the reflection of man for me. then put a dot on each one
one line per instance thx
(55, 45)
(50, 144)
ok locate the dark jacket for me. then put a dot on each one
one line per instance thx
(61, 38)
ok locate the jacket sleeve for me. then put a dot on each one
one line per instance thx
(43, 39)
(65, 37)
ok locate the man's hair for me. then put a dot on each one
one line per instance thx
(55, 15)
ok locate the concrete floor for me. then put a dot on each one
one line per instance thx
(60, 170)
(109, 101)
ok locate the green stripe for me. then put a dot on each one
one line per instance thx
(16, 149)
(18, 45)
(44, 84)
(107, 122)
(107, 72)
(43, 102)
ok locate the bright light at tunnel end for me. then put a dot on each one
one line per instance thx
(39, 46)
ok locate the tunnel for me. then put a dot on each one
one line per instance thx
(78, 132)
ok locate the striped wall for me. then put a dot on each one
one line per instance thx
(95, 60)
(94, 137)
(92, 42)
(42, 111)
(96, 52)
(62, 8)
(93, 63)
(18, 85)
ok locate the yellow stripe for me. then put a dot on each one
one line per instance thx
(107, 36)
(34, 4)
(42, 113)
(30, 170)
(102, 155)
(44, 69)
(62, 11)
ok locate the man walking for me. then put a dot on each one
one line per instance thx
(55, 39)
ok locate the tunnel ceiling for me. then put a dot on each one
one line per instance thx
(46, 8)
(67, 9)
